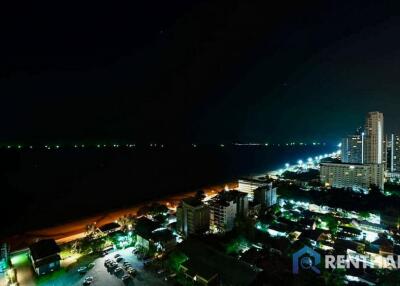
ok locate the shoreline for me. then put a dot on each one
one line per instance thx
(75, 229)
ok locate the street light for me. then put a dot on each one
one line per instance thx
(287, 165)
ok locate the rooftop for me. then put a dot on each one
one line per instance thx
(195, 268)
(145, 227)
(230, 270)
(193, 201)
(225, 197)
(44, 248)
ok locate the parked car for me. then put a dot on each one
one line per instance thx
(119, 259)
(90, 265)
(88, 280)
(132, 271)
(82, 270)
(118, 269)
(117, 255)
(126, 277)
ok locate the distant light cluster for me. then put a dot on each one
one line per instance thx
(151, 145)
(283, 144)
(309, 163)
(73, 146)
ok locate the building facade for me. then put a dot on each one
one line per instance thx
(242, 202)
(352, 149)
(356, 176)
(45, 256)
(222, 215)
(225, 208)
(374, 147)
(394, 153)
(248, 185)
(266, 196)
(4, 257)
(192, 217)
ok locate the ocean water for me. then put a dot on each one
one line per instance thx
(41, 188)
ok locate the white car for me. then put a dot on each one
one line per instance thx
(88, 280)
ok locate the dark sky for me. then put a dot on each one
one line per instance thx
(197, 71)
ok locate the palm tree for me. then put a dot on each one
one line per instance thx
(91, 231)
(127, 222)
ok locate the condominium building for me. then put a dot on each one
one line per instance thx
(192, 216)
(356, 176)
(352, 148)
(248, 185)
(394, 153)
(266, 196)
(224, 209)
(374, 147)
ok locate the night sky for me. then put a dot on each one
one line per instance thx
(197, 71)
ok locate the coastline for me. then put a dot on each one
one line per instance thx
(75, 229)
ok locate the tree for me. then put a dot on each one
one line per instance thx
(175, 259)
(364, 215)
(332, 223)
(127, 222)
(92, 231)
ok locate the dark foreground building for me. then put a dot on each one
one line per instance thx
(45, 256)
(208, 266)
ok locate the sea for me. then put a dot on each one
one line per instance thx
(44, 187)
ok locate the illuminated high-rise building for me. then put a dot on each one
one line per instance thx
(364, 158)
(355, 176)
(374, 149)
(248, 185)
(394, 153)
(352, 148)
(225, 208)
(192, 217)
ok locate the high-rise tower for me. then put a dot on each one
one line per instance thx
(374, 149)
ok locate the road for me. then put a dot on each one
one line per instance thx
(74, 230)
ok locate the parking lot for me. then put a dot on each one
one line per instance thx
(102, 276)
